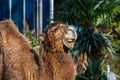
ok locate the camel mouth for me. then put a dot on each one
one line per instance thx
(69, 43)
(70, 38)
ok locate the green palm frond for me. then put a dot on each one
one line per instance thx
(94, 70)
(82, 11)
(92, 42)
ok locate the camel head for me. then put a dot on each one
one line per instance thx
(59, 32)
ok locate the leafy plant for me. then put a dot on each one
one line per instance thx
(94, 43)
(116, 46)
(94, 71)
(80, 12)
(33, 40)
(115, 35)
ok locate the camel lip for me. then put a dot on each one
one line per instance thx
(68, 43)
(70, 39)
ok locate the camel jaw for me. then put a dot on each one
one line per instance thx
(69, 44)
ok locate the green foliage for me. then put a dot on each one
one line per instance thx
(79, 12)
(115, 26)
(116, 46)
(91, 42)
(81, 77)
(115, 35)
(33, 40)
(94, 71)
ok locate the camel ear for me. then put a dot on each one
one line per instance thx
(42, 37)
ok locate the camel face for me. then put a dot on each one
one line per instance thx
(70, 37)
(59, 31)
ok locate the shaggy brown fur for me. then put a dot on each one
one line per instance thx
(1, 57)
(56, 61)
(18, 59)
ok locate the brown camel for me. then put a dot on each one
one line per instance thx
(17, 61)
(55, 58)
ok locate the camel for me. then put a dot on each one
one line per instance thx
(17, 58)
(56, 62)
(18, 61)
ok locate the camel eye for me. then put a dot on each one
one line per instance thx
(55, 29)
